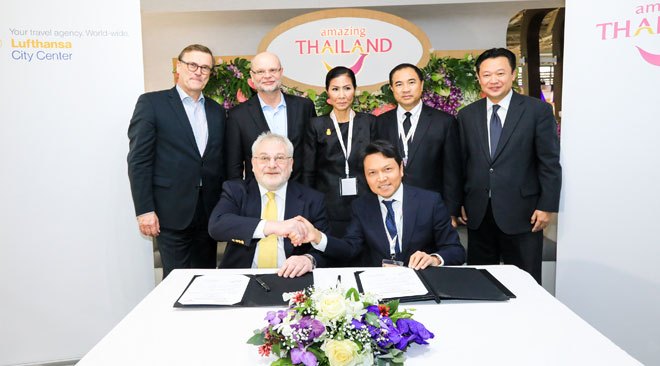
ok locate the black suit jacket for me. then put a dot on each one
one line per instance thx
(164, 164)
(434, 161)
(523, 176)
(238, 213)
(246, 122)
(426, 227)
(324, 162)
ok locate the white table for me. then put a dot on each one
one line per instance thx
(533, 329)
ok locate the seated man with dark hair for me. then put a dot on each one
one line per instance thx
(393, 221)
(259, 218)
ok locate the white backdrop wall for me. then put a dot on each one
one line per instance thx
(449, 27)
(609, 247)
(71, 261)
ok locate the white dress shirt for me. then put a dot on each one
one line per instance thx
(414, 117)
(397, 206)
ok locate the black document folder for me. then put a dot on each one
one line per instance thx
(256, 295)
(455, 283)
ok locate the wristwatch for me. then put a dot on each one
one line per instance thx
(311, 258)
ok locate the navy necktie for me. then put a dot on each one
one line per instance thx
(495, 130)
(390, 224)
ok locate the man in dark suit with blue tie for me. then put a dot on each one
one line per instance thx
(175, 163)
(260, 219)
(395, 221)
(510, 152)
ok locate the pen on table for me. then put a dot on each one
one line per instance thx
(262, 284)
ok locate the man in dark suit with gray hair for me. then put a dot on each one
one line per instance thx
(175, 163)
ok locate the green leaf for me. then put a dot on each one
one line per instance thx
(393, 305)
(257, 339)
(276, 348)
(311, 94)
(372, 319)
(320, 355)
(282, 362)
(352, 293)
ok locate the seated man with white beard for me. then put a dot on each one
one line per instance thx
(260, 219)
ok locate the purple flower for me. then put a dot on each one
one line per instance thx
(373, 309)
(315, 327)
(411, 331)
(357, 324)
(300, 355)
(237, 73)
(275, 317)
(272, 318)
(306, 330)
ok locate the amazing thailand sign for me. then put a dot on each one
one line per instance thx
(369, 42)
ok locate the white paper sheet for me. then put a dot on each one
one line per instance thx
(389, 282)
(215, 290)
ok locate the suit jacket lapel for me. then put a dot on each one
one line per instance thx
(294, 206)
(253, 201)
(482, 129)
(257, 114)
(512, 118)
(211, 118)
(182, 117)
(410, 206)
(422, 127)
(374, 221)
(291, 117)
(357, 130)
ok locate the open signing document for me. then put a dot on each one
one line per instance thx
(392, 282)
(225, 289)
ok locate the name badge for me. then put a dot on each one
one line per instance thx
(392, 263)
(348, 187)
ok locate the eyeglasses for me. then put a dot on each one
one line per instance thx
(265, 159)
(261, 73)
(192, 67)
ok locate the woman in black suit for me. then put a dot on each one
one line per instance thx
(329, 139)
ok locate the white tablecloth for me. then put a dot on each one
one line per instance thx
(533, 329)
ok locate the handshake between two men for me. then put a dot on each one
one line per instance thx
(271, 222)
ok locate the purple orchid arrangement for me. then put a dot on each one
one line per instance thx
(334, 327)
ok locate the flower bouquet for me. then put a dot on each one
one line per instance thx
(333, 327)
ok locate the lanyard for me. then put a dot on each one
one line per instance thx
(345, 149)
(406, 137)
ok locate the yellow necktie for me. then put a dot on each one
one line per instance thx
(267, 247)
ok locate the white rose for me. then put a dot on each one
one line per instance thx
(341, 353)
(331, 306)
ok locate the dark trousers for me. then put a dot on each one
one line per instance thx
(191, 247)
(489, 245)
